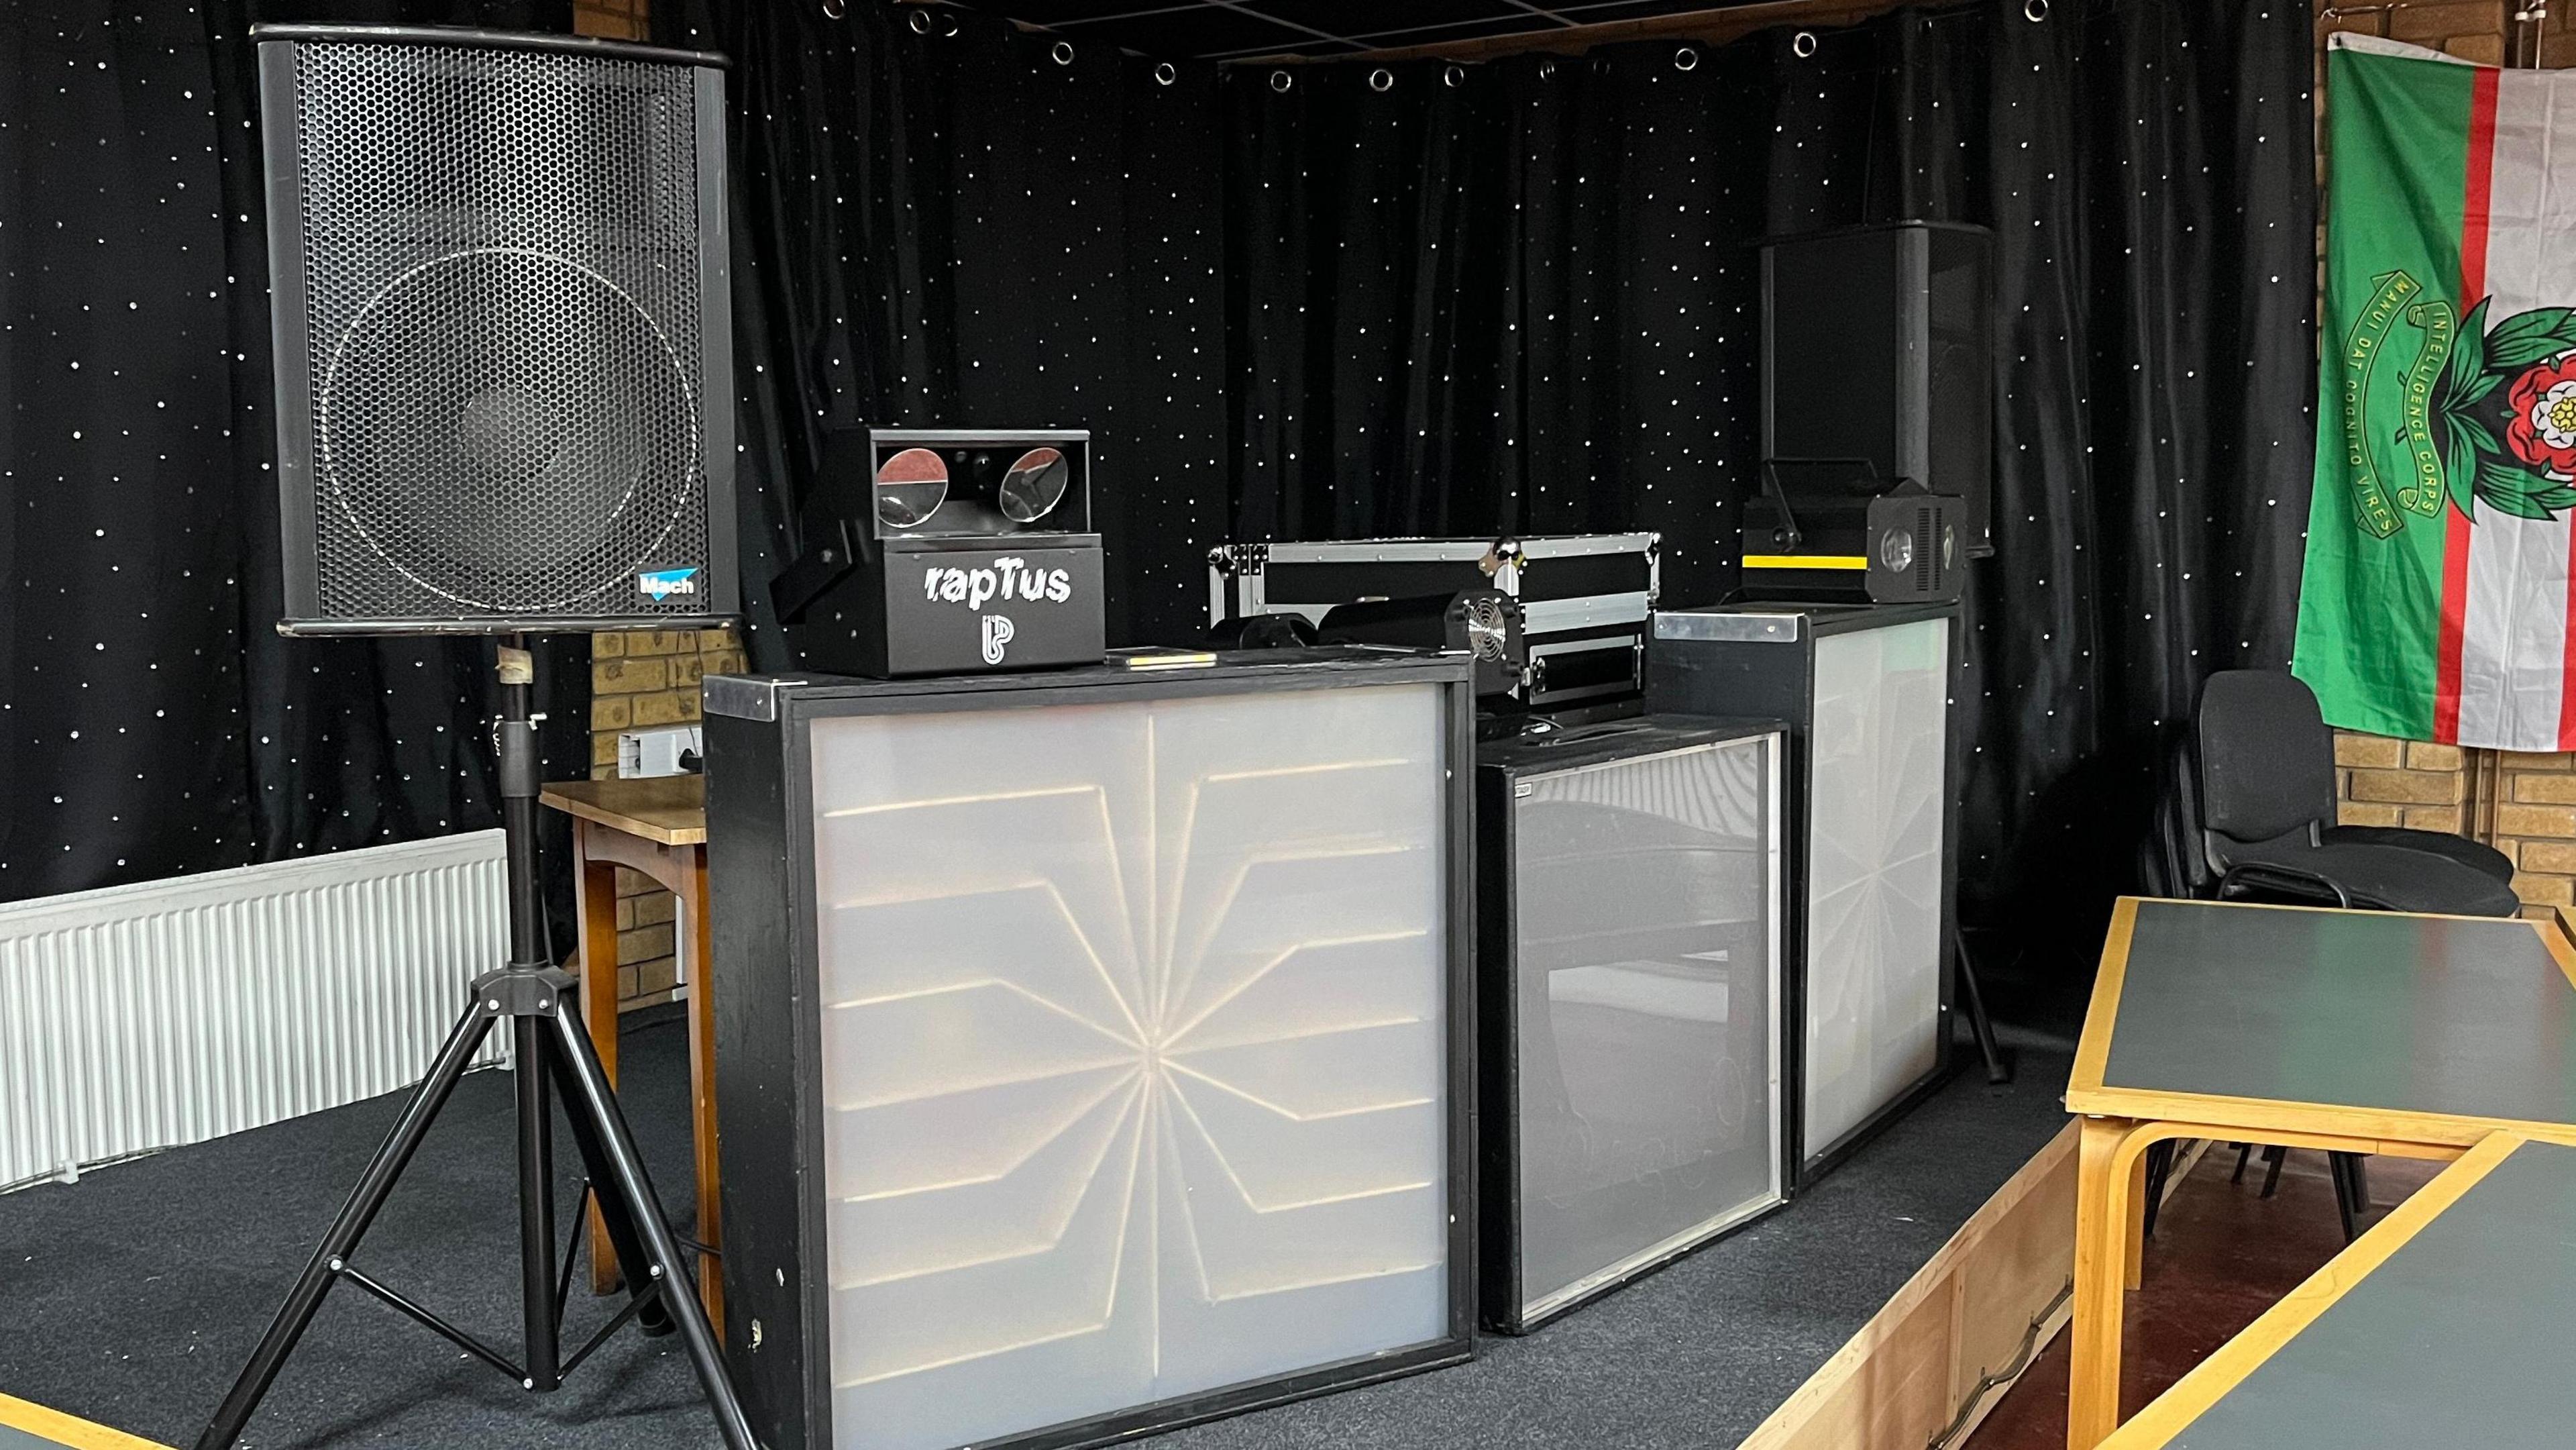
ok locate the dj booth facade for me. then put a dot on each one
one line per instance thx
(1094, 1054)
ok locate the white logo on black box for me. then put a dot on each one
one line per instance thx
(1009, 577)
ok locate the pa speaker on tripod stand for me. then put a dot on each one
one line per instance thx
(497, 269)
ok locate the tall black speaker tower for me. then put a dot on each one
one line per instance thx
(1877, 347)
(504, 358)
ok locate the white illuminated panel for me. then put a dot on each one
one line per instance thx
(1648, 971)
(1876, 783)
(1133, 1063)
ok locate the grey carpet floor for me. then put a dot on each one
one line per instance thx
(132, 1296)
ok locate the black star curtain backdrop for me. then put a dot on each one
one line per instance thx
(1515, 296)
(153, 721)
(1330, 302)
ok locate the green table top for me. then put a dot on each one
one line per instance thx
(2459, 1336)
(2366, 1010)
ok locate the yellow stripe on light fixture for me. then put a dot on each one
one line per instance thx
(1807, 561)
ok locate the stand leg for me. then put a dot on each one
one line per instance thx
(597, 1121)
(536, 1206)
(552, 1050)
(2350, 1195)
(595, 883)
(1998, 1070)
(341, 1239)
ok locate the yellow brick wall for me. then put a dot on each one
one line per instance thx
(643, 678)
(2523, 805)
(610, 19)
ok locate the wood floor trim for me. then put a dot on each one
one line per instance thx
(1930, 1364)
(62, 1429)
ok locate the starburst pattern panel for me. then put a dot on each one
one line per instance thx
(1877, 780)
(1133, 1051)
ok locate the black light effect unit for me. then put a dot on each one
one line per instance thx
(1877, 430)
(1097, 1053)
(947, 551)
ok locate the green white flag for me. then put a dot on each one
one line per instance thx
(2436, 599)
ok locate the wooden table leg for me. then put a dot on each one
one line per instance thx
(2103, 1192)
(702, 1083)
(595, 892)
(2133, 1248)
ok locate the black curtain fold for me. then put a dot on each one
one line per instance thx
(1523, 296)
(2147, 171)
(156, 724)
(953, 228)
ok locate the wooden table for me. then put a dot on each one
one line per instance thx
(657, 826)
(2350, 1031)
(2447, 1324)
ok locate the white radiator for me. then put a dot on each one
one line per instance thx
(168, 1012)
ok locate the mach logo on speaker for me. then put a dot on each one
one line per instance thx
(661, 584)
(997, 636)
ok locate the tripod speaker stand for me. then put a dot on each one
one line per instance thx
(553, 1054)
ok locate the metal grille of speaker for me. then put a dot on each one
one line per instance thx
(499, 253)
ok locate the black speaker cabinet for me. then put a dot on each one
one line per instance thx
(1878, 347)
(503, 344)
(1631, 950)
(1864, 692)
(1096, 1049)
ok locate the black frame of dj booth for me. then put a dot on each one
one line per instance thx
(760, 847)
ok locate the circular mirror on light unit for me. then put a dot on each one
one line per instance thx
(1896, 550)
(1035, 485)
(911, 486)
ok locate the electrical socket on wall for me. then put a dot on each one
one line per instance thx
(678, 750)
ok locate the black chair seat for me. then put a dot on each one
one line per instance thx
(2476, 855)
(2387, 878)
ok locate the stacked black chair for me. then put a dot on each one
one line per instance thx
(2267, 808)
(2248, 813)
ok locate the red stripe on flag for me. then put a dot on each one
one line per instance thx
(2473, 285)
(2455, 618)
(2478, 203)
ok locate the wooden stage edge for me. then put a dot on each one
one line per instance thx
(1927, 1368)
(22, 1423)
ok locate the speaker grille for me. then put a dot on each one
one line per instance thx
(500, 259)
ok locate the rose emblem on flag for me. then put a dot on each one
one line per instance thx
(2543, 430)
(2443, 411)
